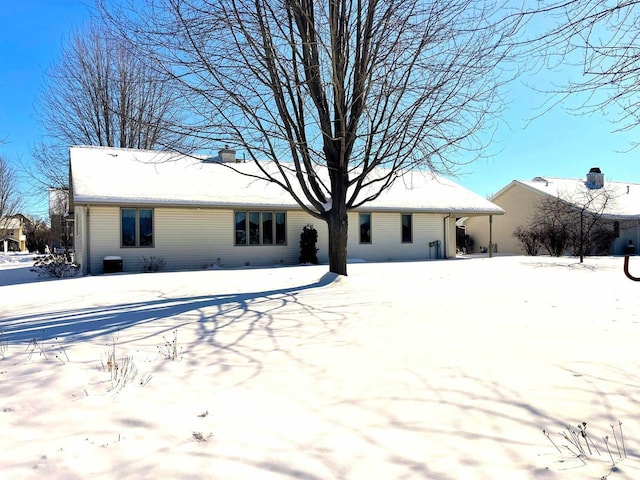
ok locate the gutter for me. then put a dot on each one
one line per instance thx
(164, 203)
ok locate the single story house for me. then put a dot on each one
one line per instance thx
(520, 199)
(194, 212)
(12, 236)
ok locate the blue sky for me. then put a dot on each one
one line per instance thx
(557, 144)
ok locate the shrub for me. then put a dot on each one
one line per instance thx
(308, 240)
(555, 239)
(529, 238)
(56, 265)
(152, 264)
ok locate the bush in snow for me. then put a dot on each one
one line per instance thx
(56, 265)
(308, 240)
(152, 264)
(529, 238)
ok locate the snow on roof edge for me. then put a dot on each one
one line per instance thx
(138, 177)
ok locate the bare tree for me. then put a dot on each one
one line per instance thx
(602, 39)
(100, 94)
(330, 90)
(61, 230)
(10, 200)
(575, 221)
(38, 235)
(530, 237)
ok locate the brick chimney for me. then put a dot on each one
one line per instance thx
(595, 178)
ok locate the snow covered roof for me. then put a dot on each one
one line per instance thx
(102, 175)
(10, 223)
(623, 198)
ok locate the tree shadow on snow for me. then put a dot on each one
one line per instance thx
(85, 324)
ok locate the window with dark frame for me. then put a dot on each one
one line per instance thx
(260, 228)
(281, 228)
(267, 228)
(365, 227)
(407, 228)
(254, 228)
(136, 227)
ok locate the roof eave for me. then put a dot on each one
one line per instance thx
(95, 201)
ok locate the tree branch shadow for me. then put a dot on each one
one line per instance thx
(85, 324)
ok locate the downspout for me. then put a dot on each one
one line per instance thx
(490, 236)
(88, 241)
(445, 222)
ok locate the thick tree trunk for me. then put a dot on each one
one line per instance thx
(337, 220)
(338, 236)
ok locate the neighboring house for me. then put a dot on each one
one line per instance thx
(520, 199)
(61, 223)
(12, 236)
(196, 212)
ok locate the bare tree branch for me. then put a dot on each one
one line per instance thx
(332, 89)
(100, 94)
(601, 39)
(10, 199)
(573, 221)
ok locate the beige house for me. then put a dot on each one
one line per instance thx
(519, 199)
(12, 236)
(195, 212)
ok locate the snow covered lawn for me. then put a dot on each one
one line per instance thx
(427, 370)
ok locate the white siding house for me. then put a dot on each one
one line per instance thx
(195, 212)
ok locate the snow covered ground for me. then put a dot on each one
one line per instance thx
(426, 370)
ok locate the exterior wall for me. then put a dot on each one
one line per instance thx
(386, 237)
(629, 232)
(188, 238)
(519, 204)
(192, 238)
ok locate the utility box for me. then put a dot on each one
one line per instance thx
(112, 264)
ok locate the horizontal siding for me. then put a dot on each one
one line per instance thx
(189, 238)
(297, 220)
(386, 237)
(192, 238)
(103, 236)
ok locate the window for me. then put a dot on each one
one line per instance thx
(260, 228)
(365, 228)
(136, 227)
(254, 228)
(281, 228)
(616, 229)
(267, 228)
(407, 228)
